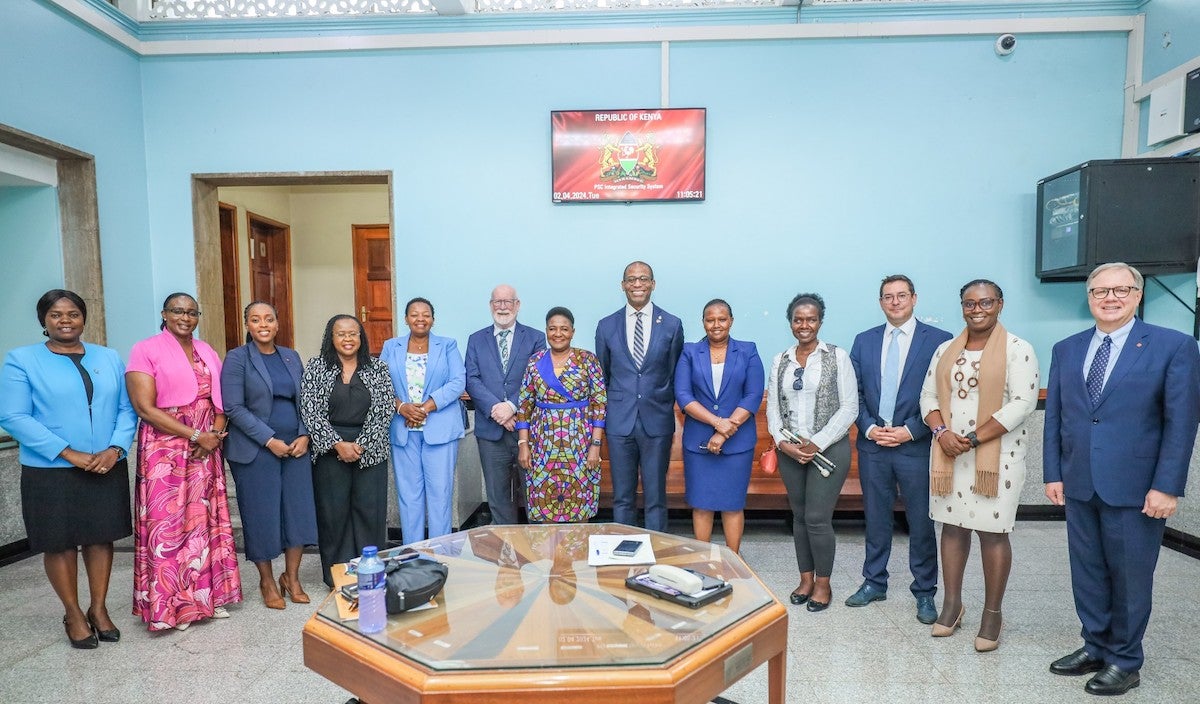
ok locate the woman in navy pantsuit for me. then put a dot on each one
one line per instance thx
(267, 450)
(719, 385)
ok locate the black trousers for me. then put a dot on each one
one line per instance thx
(351, 509)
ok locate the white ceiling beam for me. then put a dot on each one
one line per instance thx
(452, 8)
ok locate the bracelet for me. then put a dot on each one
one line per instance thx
(522, 442)
(937, 432)
(195, 435)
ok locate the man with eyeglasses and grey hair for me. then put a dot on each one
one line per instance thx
(495, 361)
(890, 361)
(1122, 408)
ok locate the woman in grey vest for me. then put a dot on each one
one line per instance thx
(812, 399)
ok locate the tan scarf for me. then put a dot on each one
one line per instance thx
(993, 366)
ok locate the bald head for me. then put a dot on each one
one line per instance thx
(505, 305)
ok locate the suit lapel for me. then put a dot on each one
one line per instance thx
(260, 364)
(1131, 352)
(623, 336)
(402, 361)
(920, 336)
(704, 359)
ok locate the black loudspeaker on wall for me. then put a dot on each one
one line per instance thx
(1191, 102)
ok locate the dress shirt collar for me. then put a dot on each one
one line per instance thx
(1118, 336)
(496, 329)
(909, 327)
(648, 309)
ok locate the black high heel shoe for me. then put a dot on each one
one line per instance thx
(107, 636)
(88, 643)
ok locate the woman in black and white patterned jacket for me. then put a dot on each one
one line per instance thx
(347, 402)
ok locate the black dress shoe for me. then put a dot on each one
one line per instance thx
(1112, 680)
(814, 605)
(89, 643)
(797, 598)
(1077, 663)
(107, 636)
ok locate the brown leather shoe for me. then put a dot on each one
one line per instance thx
(296, 592)
(271, 598)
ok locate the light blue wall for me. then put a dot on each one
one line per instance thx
(30, 259)
(830, 164)
(1182, 19)
(62, 82)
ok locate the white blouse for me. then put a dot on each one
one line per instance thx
(803, 402)
(718, 373)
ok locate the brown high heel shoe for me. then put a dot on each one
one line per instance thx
(940, 631)
(986, 645)
(273, 601)
(297, 594)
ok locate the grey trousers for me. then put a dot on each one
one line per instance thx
(812, 498)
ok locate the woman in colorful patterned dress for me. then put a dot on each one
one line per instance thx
(560, 423)
(185, 562)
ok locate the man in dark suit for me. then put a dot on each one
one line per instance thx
(496, 357)
(1122, 406)
(893, 443)
(638, 347)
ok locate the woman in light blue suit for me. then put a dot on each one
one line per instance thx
(719, 386)
(267, 451)
(428, 377)
(65, 403)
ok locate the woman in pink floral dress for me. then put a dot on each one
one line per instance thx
(185, 562)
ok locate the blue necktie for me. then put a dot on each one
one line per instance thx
(891, 379)
(504, 349)
(1095, 377)
(639, 344)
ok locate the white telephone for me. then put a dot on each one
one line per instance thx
(677, 578)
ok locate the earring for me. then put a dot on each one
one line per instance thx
(45, 332)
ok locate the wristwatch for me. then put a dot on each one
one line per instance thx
(971, 437)
(121, 453)
(595, 443)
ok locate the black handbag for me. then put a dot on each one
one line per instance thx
(413, 583)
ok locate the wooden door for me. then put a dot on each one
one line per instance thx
(373, 282)
(271, 269)
(230, 295)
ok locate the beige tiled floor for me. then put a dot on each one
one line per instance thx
(875, 654)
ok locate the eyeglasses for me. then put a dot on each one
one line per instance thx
(981, 304)
(1101, 292)
(353, 335)
(504, 302)
(895, 297)
(798, 384)
(184, 312)
(637, 279)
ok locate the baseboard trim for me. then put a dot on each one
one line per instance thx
(1185, 543)
(14, 552)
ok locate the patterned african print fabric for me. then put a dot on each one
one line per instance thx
(560, 412)
(185, 561)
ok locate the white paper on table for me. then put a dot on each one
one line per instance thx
(600, 550)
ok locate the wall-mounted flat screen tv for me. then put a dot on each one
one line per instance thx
(606, 156)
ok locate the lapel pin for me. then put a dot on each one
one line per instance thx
(1138, 344)
(658, 320)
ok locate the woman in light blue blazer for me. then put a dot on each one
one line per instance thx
(428, 377)
(719, 387)
(65, 402)
(267, 451)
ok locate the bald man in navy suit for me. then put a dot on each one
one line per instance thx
(1122, 408)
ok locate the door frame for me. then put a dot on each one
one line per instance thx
(229, 255)
(206, 228)
(354, 230)
(283, 308)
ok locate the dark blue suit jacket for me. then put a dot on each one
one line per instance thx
(742, 386)
(865, 354)
(1139, 436)
(247, 393)
(487, 382)
(647, 393)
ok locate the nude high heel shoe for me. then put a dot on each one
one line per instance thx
(940, 631)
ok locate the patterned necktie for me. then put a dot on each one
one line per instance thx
(504, 348)
(639, 342)
(891, 379)
(1095, 377)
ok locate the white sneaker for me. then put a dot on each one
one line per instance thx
(182, 626)
(220, 612)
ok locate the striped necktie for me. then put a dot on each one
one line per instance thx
(639, 341)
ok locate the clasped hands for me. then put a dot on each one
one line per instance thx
(952, 443)
(504, 415)
(801, 452)
(99, 462)
(414, 415)
(890, 436)
(206, 444)
(348, 452)
(281, 449)
(723, 428)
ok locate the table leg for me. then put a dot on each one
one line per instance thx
(777, 678)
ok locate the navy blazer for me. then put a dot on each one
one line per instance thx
(445, 379)
(742, 385)
(248, 395)
(1140, 434)
(865, 354)
(44, 405)
(487, 382)
(647, 393)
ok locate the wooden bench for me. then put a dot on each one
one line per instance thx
(766, 491)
